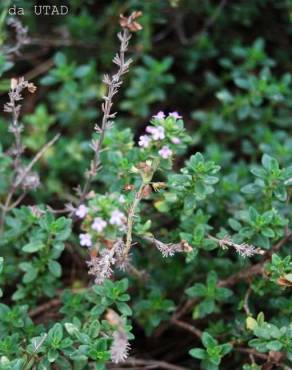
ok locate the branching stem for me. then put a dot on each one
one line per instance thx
(113, 83)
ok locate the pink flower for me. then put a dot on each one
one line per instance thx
(165, 152)
(175, 140)
(144, 141)
(117, 218)
(81, 211)
(85, 240)
(98, 224)
(159, 115)
(174, 115)
(158, 133)
(150, 129)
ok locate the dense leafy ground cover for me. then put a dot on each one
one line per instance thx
(157, 236)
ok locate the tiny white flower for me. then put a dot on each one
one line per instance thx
(174, 115)
(159, 115)
(81, 211)
(158, 133)
(117, 218)
(165, 152)
(150, 129)
(144, 141)
(85, 240)
(98, 224)
(175, 140)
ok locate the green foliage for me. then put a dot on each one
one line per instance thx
(39, 242)
(193, 185)
(213, 181)
(147, 85)
(210, 294)
(212, 354)
(280, 268)
(75, 339)
(271, 180)
(270, 337)
(152, 310)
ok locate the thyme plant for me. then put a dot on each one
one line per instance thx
(161, 245)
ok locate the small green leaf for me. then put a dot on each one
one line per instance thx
(52, 355)
(56, 333)
(33, 246)
(30, 275)
(269, 163)
(55, 268)
(208, 341)
(124, 308)
(274, 345)
(198, 290)
(251, 323)
(198, 353)
(71, 328)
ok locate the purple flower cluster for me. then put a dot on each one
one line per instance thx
(157, 133)
(117, 218)
(161, 115)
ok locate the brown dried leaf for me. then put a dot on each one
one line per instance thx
(284, 282)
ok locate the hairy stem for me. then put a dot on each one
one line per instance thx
(113, 83)
(130, 220)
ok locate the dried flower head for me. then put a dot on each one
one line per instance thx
(36, 211)
(244, 249)
(31, 181)
(31, 88)
(21, 36)
(169, 250)
(144, 167)
(101, 267)
(120, 347)
(129, 187)
(13, 83)
(130, 22)
(16, 87)
(157, 186)
(146, 191)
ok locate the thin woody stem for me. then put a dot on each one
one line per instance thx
(130, 220)
(7, 205)
(149, 364)
(114, 83)
(146, 180)
(36, 158)
(230, 281)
